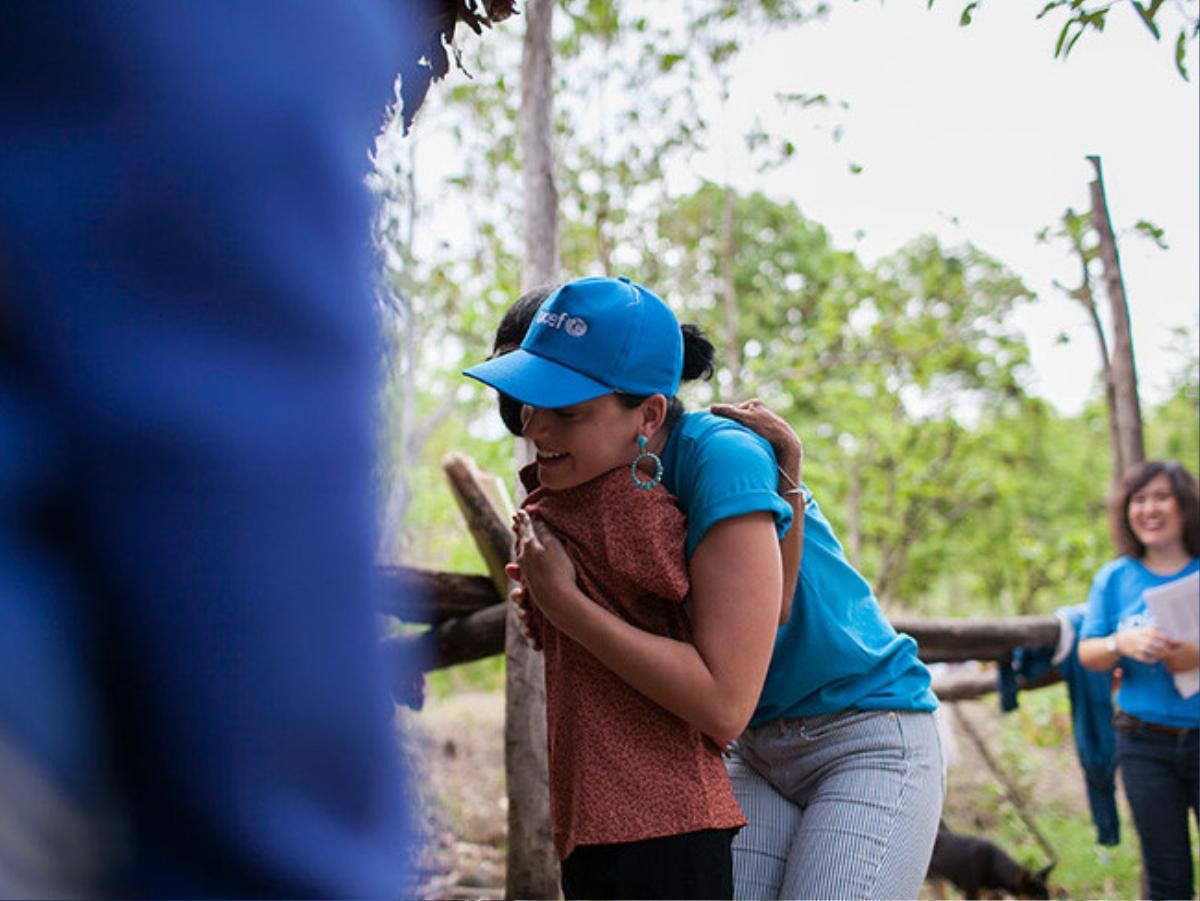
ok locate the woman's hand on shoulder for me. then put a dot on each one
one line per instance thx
(758, 418)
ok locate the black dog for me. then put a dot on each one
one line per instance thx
(976, 865)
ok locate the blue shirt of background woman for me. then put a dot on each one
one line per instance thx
(1116, 604)
(1156, 526)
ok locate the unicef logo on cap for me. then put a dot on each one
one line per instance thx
(572, 325)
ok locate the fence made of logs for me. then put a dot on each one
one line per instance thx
(468, 619)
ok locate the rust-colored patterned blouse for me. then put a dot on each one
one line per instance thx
(621, 767)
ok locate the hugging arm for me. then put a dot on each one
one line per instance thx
(789, 455)
(714, 683)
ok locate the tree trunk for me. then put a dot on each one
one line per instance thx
(1110, 387)
(541, 262)
(1087, 298)
(532, 864)
(532, 869)
(1124, 373)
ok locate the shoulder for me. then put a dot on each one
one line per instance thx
(1111, 588)
(1114, 577)
(1116, 570)
(701, 437)
(616, 492)
(700, 426)
(719, 469)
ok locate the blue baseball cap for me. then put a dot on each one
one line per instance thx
(591, 337)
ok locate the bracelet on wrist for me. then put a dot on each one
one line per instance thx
(795, 489)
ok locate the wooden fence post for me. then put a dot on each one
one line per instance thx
(532, 866)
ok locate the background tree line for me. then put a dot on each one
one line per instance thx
(954, 489)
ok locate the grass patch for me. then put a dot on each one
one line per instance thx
(1035, 748)
(479, 675)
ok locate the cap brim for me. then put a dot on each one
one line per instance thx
(537, 381)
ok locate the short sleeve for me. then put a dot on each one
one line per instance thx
(1100, 618)
(730, 472)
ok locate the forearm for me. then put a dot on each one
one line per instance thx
(1094, 655)
(671, 673)
(713, 683)
(791, 546)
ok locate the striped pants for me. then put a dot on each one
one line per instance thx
(840, 806)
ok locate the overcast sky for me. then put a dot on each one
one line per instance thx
(980, 134)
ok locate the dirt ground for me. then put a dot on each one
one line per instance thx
(458, 754)
(458, 747)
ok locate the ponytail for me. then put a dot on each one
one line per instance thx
(698, 353)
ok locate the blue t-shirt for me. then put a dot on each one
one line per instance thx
(718, 469)
(837, 651)
(1115, 603)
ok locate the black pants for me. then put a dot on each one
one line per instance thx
(692, 865)
(1161, 778)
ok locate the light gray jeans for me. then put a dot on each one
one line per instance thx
(840, 806)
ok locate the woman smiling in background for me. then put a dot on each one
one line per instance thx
(1156, 524)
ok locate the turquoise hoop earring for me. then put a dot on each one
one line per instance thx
(644, 454)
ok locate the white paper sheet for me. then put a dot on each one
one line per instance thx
(1176, 611)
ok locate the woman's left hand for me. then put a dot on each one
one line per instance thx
(547, 570)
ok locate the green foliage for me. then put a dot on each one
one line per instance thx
(906, 385)
(1153, 232)
(1084, 868)
(479, 675)
(954, 491)
(1173, 427)
(1083, 16)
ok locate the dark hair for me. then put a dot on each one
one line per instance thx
(1183, 486)
(509, 335)
(697, 364)
(697, 356)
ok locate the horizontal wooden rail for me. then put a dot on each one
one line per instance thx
(424, 596)
(459, 640)
(990, 636)
(968, 686)
(452, 600)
